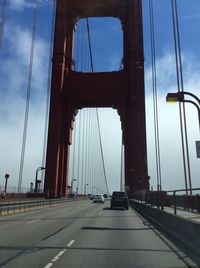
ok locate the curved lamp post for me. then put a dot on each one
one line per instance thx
(37, 182)
(6, 183)
(180, 97)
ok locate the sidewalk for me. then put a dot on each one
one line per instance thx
(189, 215)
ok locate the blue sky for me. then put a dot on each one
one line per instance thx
(14, 59)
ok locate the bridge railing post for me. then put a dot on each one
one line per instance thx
(198, 203)
(157, 200)
(174, 195)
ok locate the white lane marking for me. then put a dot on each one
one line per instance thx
(100, 213)
(70, 243)
(48, 265)
(29, 222)
(57, 257)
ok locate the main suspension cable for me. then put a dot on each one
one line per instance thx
(90, 45)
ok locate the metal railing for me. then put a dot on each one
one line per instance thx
(162, 199)
(23, 206)
(186, 201)
(7, 208)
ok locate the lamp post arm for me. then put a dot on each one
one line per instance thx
(36, 176)
(198, 108)
(192, 95)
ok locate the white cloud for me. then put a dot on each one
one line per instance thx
(20, 5)
(169, 126)
(14, 77)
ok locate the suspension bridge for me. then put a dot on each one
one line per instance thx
(79, 103)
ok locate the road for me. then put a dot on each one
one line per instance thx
(81, 234)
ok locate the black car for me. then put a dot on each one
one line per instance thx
(119, 200)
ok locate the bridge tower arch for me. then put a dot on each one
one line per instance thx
(122, 90)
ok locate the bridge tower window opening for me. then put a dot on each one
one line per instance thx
(107, 44)
(86, 165)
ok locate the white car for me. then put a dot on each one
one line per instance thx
(99, 198)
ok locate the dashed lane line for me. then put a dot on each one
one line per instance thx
(70, 243)
(29, 222)
(57, 257)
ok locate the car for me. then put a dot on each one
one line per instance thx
(72, 195)
(98, 198)
(90, 196)
(119, 200)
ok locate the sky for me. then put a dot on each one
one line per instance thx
(14, 62)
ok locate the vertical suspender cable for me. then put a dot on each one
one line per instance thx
(89, 153)
(101, 147)
(97, 114)
(83, 151)
(79, 153)
(86, 147)
(2, 22)
(155, 102)
(180, 106)
(74, 152)
(48, 90)
(92, 154)
(183, 122)
(122, 168)
(28, 96)
(182, 89)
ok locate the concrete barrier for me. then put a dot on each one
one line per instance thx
(187, 232)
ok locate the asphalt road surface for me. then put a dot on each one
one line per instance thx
(82, 234)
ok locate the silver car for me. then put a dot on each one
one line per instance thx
(99, 198)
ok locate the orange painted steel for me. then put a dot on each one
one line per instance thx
(122, 90)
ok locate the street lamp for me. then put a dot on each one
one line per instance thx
(6, 183)
(180, 97)
(97, 190)
(37, 182)
(85, 188)
(31, 187)
(72, 184)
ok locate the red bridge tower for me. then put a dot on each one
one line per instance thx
(122, 90)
